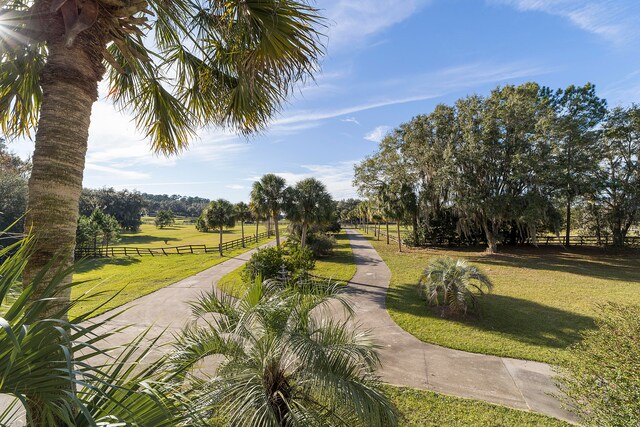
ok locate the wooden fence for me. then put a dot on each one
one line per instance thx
(577, 240)
(119, 251)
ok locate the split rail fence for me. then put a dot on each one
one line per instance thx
(120, 251)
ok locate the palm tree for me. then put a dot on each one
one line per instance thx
(452, 283)
(37, 366)
(177, 66)
(242, 214)
(220, 215)
(269, 193)
(281, 365)
(257, 212)
(308, 203)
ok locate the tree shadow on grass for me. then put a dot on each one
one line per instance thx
(93, 264)
(593, 262)
(143, 239)
(521, 320)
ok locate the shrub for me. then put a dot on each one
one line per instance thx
(601, 378)
(264, 263)
(321, 244)
(299, 259)
(164, 218)
(450, 284)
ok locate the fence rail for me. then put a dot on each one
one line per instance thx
(578, 240)
(119, 251)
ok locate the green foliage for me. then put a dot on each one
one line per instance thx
(164, 218)
(266, 263)
(307, 204)
(126, 206)
(451, 284)
(284, 361)
(321, 244)
(601, 377)
(13, 190)
(39, 370)
(98, 229)
(220, 214)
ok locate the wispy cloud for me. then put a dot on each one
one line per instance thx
(377, 134)
(350, 120)
(236, 186)
(614, 20)
(353, 21)
(122, 173)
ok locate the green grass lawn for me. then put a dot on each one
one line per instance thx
(543, 297)
(134, 277)
(421, 408)
(183, 234)
(339, 266)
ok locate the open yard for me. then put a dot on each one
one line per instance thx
(339, 266)
(133, 277)
(543, 297)
(182, 234)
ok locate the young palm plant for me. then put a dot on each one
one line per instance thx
(283, 360)
(49, 374)
(452, 285)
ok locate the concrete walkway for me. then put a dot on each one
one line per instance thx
(408, 361)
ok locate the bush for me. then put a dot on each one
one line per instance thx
(266, 263)
(321, 244)
(451, 285)
(164, 219)
(602, 375)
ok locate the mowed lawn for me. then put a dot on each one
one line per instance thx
(182, 234)
(339, 266)
(133, 277)
(543, 297)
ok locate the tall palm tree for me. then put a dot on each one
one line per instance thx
(308, 203)
(269, 192)
(177, 66)
(243, 213)
(220, 214)
(257, 211)
(284, 360)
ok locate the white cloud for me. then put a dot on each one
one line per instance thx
(121, 173)
(337, 177)
(350, 120)
(236, 187)
(353, 21)
(613, 20)
(377, 134)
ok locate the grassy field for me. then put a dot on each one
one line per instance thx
(134, 277)
(339, 266)
(182, 234)
(542, 298)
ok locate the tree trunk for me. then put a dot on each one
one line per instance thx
(220, 244)
(567, 239)
(242, 225)
(303, 235)
(387, 224)
(70, 87)
(69, 83)
(618, 236)
(399, 240)
(492, 245)
(275, 226)
(257, 230)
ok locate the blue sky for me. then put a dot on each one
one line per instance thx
(386, 62)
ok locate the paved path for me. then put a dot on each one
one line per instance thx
(408, 361)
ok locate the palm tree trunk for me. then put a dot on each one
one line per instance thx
(399, 240)
(242, 225)
(70, 87)
(220, 244)
(567, 241)
(257, 230)
(387, 225)
(275, 226)
(303, 235)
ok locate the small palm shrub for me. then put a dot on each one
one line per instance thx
(266, 263)
(453, 285)
(55, 369)
(284, 360)
(601, 377)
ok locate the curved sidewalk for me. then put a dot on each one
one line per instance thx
(410, 362)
